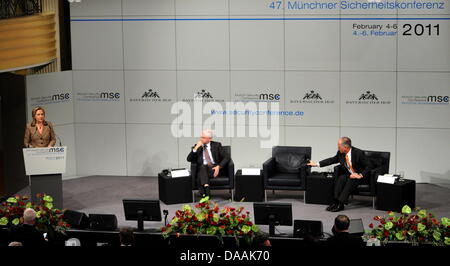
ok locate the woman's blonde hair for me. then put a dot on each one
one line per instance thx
(33, 114)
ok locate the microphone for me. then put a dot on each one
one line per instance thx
(59, 139)
(165, 212)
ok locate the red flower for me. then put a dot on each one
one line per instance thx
(222, 226)
(385, 233)
(249, 223)
(243, 216)
(371, 225)
(391, 218)
(169, 225)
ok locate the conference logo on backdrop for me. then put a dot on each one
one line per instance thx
(103, 96)
(150, 96)
(60, 97)
(426, 99)
(368, 97)
(312, 97)
(257, 97)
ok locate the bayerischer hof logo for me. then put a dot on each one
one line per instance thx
(312, 97)
(203, 95)
(150, 95)
(368, 97)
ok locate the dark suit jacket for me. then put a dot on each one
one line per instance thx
(345, 239)
(219, 156)
(359, 161)
(34, 139)
(28, 235)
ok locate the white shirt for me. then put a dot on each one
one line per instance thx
(208, 147)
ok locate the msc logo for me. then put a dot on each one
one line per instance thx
(438, 99)
(150, 94)
(368, 96)
(61, 97)
(56, 149)
(269, 96)
(312, 96)
(109, 95)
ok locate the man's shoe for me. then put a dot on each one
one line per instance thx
(331, 206)
(201, 191)
(207, 191)
(339, 207)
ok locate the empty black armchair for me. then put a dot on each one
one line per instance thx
(379, 161)
(225, 179)
(287, 169)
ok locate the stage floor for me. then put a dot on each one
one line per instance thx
(104, 194)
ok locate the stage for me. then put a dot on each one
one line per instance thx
(104, 194)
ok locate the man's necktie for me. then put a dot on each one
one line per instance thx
(349, 164)
(206, 154)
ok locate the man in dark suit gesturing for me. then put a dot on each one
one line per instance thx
(210, 158)
(357, 165)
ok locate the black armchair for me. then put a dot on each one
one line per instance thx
(287, 169)
(225, 180)
(379, 166)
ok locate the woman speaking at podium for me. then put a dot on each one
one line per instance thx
(39, 133)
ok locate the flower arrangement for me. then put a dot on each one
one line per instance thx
(208, 218)
(48, 219)
(418, 227)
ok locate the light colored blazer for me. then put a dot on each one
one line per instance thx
(33, 139)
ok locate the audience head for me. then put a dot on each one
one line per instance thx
(341, 223)
(206, 136)
(29, 216)
(126, 236)
(261, 239)
(344, 144)
(15, 244)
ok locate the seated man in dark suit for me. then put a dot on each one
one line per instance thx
(210, 158)
(341, 237)
(357, 165)
(26, 233)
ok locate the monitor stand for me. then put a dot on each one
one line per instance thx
(140, 220)
(272, 225)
